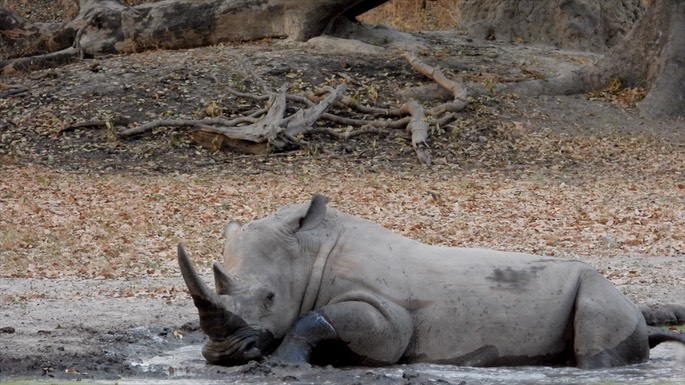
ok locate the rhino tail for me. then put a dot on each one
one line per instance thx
(663, 314)
(657, 336)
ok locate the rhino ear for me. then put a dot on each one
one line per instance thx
(315, 213)
(231, 227)
(222, 281)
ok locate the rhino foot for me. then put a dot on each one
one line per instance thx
(302, 338)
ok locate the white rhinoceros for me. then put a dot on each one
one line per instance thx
(312, 284)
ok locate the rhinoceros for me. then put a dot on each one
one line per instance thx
(310, 284)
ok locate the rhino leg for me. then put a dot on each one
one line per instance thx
(376, 332)
(609, 329)
(305, 334)
(370, 335)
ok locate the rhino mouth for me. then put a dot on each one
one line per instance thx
(239, 348)
(231, 340)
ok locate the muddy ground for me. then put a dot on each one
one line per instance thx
(85, 326)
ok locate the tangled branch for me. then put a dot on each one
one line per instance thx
(327, 110)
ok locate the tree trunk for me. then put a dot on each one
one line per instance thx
(584, 25)
(651, 56)
(108, 27)
(667, 74)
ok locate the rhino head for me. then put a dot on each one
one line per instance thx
(254, 305)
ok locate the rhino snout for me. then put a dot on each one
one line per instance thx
(239, 348)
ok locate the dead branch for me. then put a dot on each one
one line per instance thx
(446, 107)
(269, 129)
(400, 123)
(457, 89)
(419, 130)
(258, 112)
(272, 123)
(247, 95)
(303, 120)
(289, 97)
(33, 63)
(349, 133)
(300, 122)
(175, 123)
(94, 123)
(13, 91)
(446, 119)
(353, 104)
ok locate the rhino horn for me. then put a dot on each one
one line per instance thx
(216, 321)
(222, 281)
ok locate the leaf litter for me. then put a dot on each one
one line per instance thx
(566, 176)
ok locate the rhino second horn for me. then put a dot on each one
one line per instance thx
(216, 321)
(222, 281)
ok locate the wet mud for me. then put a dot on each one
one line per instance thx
(67, 331)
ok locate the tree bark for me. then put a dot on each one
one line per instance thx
(108, 27)
(667, 75)
(651, 56)
(582, 25)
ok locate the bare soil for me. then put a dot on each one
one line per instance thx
(89, 287)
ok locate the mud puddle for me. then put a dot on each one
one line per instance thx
(146, 341)
(667, 366)
(184, 364)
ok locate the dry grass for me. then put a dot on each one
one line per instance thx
(416, 15)
(56, 224)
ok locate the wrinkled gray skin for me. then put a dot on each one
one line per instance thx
(321, 286)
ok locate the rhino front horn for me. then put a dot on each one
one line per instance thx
(216, 321)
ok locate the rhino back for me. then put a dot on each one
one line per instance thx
(469, 306)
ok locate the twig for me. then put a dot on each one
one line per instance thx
(79, 33)
(447, 107)
(289, 97)
(185, 122)
(349, 133)
(446, 119)
(353, 104)
(258, 112)
(400, 123)
(94, 123)
(13, 92)
(247, 95)
(32, 63)
(248, 68)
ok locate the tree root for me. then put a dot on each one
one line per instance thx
(271, 129)
(458, 89)
(419, 130)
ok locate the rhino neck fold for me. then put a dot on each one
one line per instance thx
(311, 291)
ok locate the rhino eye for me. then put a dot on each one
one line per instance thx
(269, 299)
